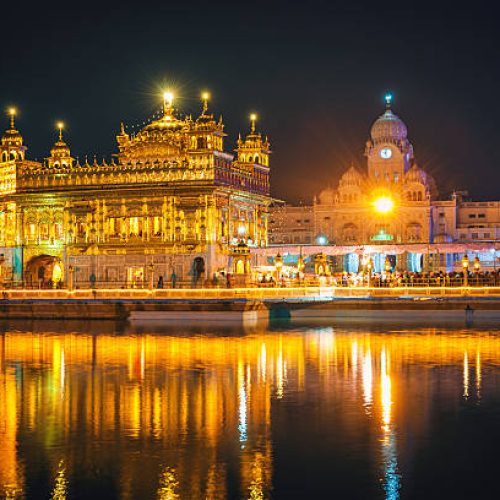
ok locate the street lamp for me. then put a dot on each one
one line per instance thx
(477, 267)
(278, 262)
(465, 267)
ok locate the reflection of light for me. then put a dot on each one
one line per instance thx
(60, 490)
(354, 357)
(478, 374)
(167, 485)
(466, 375)
(242, 407)
(392, 479)
(367, 376)
(56, 273)
(263, 361)
(385, 383)
(279, 373)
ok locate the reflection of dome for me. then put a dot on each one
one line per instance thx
(388, 127)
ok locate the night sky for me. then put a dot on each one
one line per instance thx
(315, 72)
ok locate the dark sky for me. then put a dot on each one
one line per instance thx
(315, 72)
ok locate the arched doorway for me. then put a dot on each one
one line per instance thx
(197, 270)
(43, 271)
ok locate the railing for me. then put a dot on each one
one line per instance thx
(269, 294)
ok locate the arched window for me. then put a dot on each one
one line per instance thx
(419, 197)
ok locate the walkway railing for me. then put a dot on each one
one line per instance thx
(296, 293)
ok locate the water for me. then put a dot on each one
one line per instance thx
(95, 410)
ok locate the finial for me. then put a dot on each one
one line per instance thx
(168, 99)
(388, 100)
(205, 96)
(253, 119)
(12, 114)
(60, 126)
(122, 128)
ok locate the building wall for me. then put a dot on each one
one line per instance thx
(291, 224)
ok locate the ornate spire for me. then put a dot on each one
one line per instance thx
(253, 119)
(60, 126)
(205, 96)
(168, 100)
(388, 100)
(12, 114)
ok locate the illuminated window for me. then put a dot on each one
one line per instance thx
(44, 231)
(58, 232)
(157, 226)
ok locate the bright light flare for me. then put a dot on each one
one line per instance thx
(383, 205)
(60, 125)
(205, 96)
(12, 111)
(168, 97)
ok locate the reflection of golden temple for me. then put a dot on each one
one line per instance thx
(153, 391)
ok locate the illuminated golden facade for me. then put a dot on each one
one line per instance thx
(173, 200)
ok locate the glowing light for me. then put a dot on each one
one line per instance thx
(205, 96)
(168, 97)
(321, 239)
(56, 273)
(388, 98)
(253, 117)
(12, 111)
(60, 125)
(383, 205)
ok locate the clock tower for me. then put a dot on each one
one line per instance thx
(388, 150)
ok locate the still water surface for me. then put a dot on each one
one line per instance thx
(92, 411)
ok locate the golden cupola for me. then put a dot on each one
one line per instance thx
(12, 147)
(206, 133)
(162, 140)
(253, 149)
(60, 154)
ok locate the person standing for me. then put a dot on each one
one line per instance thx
(173, 278)
(160, 282)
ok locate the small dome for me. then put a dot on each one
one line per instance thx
(60, 149)
(326, 197)
(388, 127)
(351, 177)
(12, 137)
(416, 174)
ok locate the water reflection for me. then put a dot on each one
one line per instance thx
(192, 416)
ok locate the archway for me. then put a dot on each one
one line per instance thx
(43, 271)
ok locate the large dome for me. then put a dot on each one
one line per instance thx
(388, 127)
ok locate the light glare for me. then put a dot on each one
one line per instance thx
(383, 205)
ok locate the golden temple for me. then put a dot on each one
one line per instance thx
(172, 202)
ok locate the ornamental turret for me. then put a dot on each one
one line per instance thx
(12, 148)
(253, 149)
(60, 154)
(206, 134)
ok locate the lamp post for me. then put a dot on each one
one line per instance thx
(465, 267)
(151, 269)
(71, 270)
(278, 262)
(477, 267)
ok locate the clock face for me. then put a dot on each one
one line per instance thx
(385, 153)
